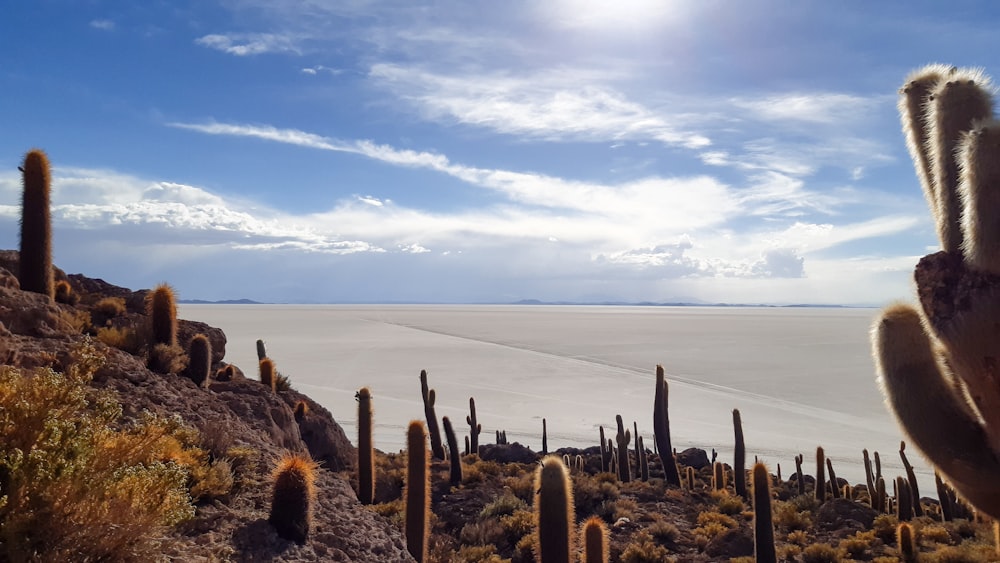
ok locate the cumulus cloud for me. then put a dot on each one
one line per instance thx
(245, 44)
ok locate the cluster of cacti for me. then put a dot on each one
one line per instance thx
(937, 365)
(430, 397)
(911, 480)
(661, 430)
(554, 512)
(366, 451)
(739, 457)
(292, 497)
(417, 512)
(474, 428)
(35, 257)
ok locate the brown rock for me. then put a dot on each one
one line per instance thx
(731, 543)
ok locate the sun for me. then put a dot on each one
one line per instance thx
(621, 15)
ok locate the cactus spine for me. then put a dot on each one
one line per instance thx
(740, 458)
(763, 527)
(474, 427)
(554, 513)
(661, 430)
(200, 360)
(418, 491)
(820, 475)
(455, 458)
(366, 451)
(623, 438)
(596, 544)
(292, 497)
(429, 396)
(35, 257)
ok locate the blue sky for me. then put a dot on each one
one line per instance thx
(353, 151)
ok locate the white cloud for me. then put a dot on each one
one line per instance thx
(826, 108)
(314, 70)
(104, 25)
(244, 44)
(550, 105)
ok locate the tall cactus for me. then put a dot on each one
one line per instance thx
(820, 475)
(661, 430)
(800, 478)
(911, 476)
(554, 513)
(474, 427)
(454, 456)
(739, 457)
(931, 364)
(643, 461)
(161, 306)
(605, 461)
(763, 527)
(623, 438)
(35, 258)
(834, 484)
(418, 491)
(268, 373)
(366, 451)
(869, 478)
(429, 396)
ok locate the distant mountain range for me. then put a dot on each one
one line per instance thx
(672, 304)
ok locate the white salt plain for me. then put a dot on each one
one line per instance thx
(801, 377)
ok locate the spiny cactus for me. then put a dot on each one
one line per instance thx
(623, 438)
(800, 479)
(763, 527)
(161, 306)
(739, 457)
(35, 257)
(366, 451)
(261, 352)
(880, 495)
(643, 462)
(911, 478)
(661, 430)
(834, 484)
(905, 541)
(301, 410)
(605, 458)
(474, 427)
(268, 374)
(554, 512)
(718, 476)
(418, 491)
(292, 497)
(945, 497)
(199, 360)
(429, 396)
(596, 541)
(64, 293)
(690, 477)
(904, 502)
(869, 478)
(938, 369)
(637, 470)
(820, 475)
(455, 458)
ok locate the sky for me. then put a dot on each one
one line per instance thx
(348, 151)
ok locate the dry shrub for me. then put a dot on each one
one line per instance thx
(731, 505)
(820, 553)
(518, 524)
(476, 554)
(504, 505)
(589, 493)
(798, 537)
(857, 546)
(110, 307)
(74, 488)
(522, 485)
(961, 554)
(789, 552)
(664, 532)
(483, 532)
(644, 550)
(788, 517)
(625, 508)
(78, 320)
(125, 339)
(164, 358)
(884, 527)
(935, 534)
(713, 524)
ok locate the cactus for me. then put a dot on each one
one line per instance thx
(418, 491)
(834, 484)
(880, 495)
(301, 410)
(690, 477)
(261, 352)
(64, 293)
(778, 465)
(635, 436)
(35, 257)
(718, 476)
(366, 451)
(623, 438)
(945, 497)
(292, 497)
(905, 541)
(605, 462)
(911, 477)
(268, 373)
(820, 475)
(643, 462)
(161, 306)
(455, 458)
(661, 430)
(904, 502)
(596, 541)
(554, 512)
(468, 449)
(429, 396)
(937, 369)
(740, 458)
(474, 427)
(869, 478)
(800, 479)
(545, 439)
(200, 360)
(763, 527)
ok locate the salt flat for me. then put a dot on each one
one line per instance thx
(801, 377)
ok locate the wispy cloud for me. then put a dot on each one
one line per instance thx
(820, 107)
(104, 25)
(552, 105)
(245, 44)
(314, 70)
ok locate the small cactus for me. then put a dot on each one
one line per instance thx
(834, 484)
(911, 477)
(35, 257)
(596, 541)
(474, 427)
(261, 352)
(418, 491)
(292, 497)
(301, 410)
(718, 476)
(161, 306)
(906, 543)
(623, 438)
(64, 293)
(800, 479)
(199, 360)
(268, 374)
(366, 452)
(545, 439)
(869, 478)
(820, 475)
(763, 527)
(554, 512)
(605, 461)
(643, 462)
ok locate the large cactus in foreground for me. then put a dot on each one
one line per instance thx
(554, 513)
(35, 257)
(418, 491)
(938, 367)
